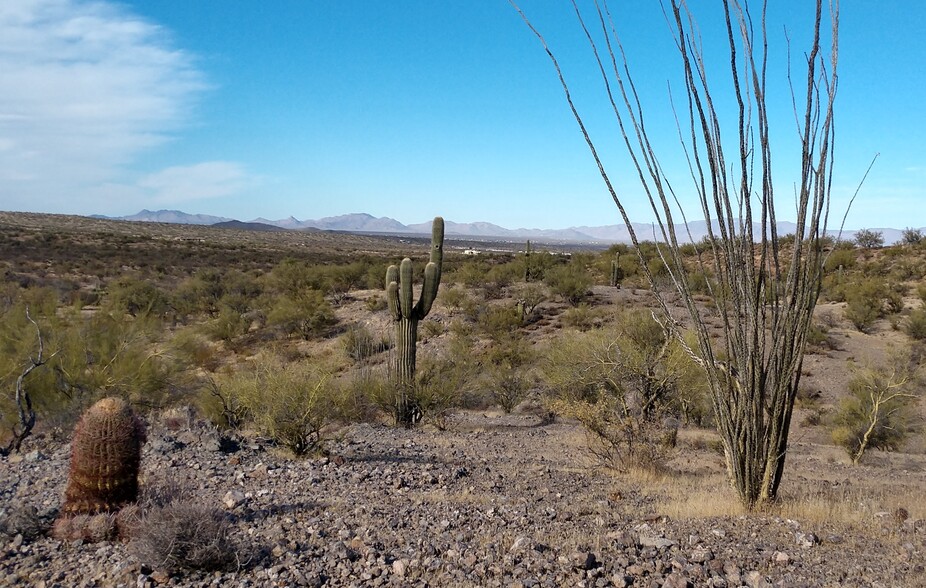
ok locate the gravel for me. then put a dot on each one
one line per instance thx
(497, 501)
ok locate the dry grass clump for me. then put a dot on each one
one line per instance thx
(177, 532)
(689, 497)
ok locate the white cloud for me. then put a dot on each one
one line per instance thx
(212, 179)
(85, 88)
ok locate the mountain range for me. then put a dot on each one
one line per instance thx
(366, 223)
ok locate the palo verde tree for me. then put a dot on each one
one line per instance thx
(765, 292)
(406, 313)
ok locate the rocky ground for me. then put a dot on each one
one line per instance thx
(496, 501)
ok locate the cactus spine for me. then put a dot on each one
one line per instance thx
(105, 456)
(406, 314)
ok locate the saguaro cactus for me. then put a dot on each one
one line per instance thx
(105, 455)
(617, 274)
(406, 314)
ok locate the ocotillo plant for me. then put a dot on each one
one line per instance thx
(105, 455)
(406, 314)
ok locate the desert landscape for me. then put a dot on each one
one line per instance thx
(260, 364)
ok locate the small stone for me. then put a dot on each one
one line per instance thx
(757, 580)
(676, 580)
(701, 556)
(780, 557)
(399, 567)
(584, 560)
(657, 542)
(622, 539)
(520, 544)
(806, 540)
(233, 498)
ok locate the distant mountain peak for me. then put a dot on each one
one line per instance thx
(362, 222)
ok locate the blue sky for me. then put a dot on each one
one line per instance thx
(404, 109)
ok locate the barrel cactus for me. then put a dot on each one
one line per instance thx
(105, 457)
(406, 313)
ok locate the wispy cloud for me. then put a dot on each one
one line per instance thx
(85, 88)
(213, 179)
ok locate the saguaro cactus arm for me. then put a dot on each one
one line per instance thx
(392, 292)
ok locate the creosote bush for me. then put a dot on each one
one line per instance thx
(571, 282)
(290, 402)
(624, 386)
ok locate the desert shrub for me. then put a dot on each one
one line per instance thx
(360, 344)
(199, 294)
(227, 324)
(430, 329)
(508, 351)
(840, 258)
(105, 355)
(306, 313)
(864, 303)
(699, 282)
(818, 339)
(529, 296)
(290, 402)
(339, 280)
(191, 349)
(509, 387)
(497, 321)
(180, 533)
(471, 273)
(502, 275)
(376, 303)
(582, 317)
(911, 236)
(622, 385)
(570, 282)
(291, 277)
(868, 239)
(441, 386)
(879, 412)
(915, 325)
(453, 298)
(137, 297)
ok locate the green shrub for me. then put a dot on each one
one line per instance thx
(570, 282)
(911, 236)
(137, 297)
(227, 325)
(840, 258)
(509, 387)
(878, 413)
(497, 321)
(623, 385)
(453, 298)
(916, 324)
(864, 304)
(868, 239)
(290, 402)
(582, 317)
(306, 313)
